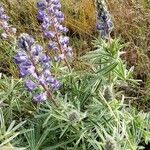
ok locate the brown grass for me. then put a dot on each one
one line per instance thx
(131, 20)
(80, 16)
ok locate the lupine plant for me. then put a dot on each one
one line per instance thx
(5, 29)
(35, 64)
(8, 134)
(81, 111)
(51, 18)
(34, 61)
(104, 22)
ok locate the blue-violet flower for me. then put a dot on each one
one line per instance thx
(104, 22)
(35, 65)
(51, 17)
(5, 29)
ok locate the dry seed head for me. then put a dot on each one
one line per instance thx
(73, 117)
(108, 93)
(110, 144)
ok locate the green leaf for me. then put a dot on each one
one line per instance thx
(107, 69)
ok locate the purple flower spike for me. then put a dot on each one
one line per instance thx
(34, 64)
(104, 22)
(51, 17)
(7, 31)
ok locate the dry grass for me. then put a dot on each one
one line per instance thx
(131, 19)
(80, 16)
(22, 15)
(132, 23)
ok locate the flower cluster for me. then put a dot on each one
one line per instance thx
(5, 29)
(104, 22)
(50, 17)
(35, 65)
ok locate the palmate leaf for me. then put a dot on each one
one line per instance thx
(6, 136)
(39, 136)
(34, 143)
(43, 137)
